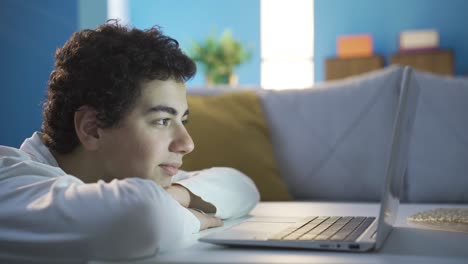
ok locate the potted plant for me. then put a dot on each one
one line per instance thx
(219, 56)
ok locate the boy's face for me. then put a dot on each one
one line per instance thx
(151, 140)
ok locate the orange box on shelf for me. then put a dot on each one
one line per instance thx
(352, 46)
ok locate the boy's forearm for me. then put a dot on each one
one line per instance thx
(189, 200)
(198, 203)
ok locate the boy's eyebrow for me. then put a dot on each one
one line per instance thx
(163, 108)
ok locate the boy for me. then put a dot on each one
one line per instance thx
(102, 180)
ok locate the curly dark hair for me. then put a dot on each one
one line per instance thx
(103, 69)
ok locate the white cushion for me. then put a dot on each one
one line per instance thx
(331, 141)
(438, 164)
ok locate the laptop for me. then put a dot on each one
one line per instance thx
(345, 233)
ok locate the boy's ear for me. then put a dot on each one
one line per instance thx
(86, 127)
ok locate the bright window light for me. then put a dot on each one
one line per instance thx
(287, 74)
(287, 43)
(118, 9)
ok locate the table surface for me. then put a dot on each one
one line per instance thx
(406, 243)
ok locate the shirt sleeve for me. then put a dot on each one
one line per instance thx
(61, 217)
(229, 190)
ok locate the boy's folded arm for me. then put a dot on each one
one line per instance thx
(123, 219)
(232, 193)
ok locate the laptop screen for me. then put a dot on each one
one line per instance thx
(398, 154)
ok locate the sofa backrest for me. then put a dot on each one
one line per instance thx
(331, 141)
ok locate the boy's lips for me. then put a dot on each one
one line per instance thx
(170, 168)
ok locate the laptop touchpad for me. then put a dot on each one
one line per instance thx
(254, 230)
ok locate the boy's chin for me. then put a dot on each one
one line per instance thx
(162, 181)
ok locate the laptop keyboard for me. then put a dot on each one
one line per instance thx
(333, 228)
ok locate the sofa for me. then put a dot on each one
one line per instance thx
(330, 142)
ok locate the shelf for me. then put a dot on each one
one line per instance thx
(434, 61)
(338, 68)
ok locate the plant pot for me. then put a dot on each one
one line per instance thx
(212, 80)
(233, 80)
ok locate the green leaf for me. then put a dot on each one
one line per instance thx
(219, 56)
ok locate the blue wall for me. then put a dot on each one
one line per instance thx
(91, 13)
(188, 20)
(30, 31)
(384, 20)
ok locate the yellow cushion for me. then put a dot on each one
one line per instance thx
(229, 130)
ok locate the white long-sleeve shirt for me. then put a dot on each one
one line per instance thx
(46, 213)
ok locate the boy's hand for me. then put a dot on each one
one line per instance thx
(180, 194)
(189, 200)
(206, 221)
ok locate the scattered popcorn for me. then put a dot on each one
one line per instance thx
(442, 215)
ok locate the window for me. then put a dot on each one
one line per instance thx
(287, 43)
(118, 9)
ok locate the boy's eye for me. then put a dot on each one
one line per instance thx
(163, 122)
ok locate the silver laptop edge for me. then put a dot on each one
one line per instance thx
(399, 152)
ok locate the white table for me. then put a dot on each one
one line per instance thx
(406, 244)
